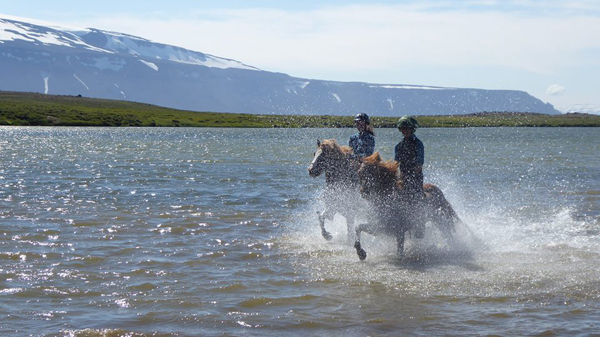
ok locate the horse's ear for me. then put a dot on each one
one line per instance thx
(318, 143)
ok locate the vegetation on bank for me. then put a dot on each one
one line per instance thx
(52, 110)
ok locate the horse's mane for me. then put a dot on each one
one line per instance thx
(375, 160)
(332, 144)
(385, 171)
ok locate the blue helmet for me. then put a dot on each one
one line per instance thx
(362, 117)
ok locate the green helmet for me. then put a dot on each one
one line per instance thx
(407, 122)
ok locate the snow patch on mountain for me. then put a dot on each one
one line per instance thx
(104, 63)
(46, 78)
(409, 87)
(10, 32)
(293, 86)
(140, 47)
(150, 64)
(122, 93)
(79, 79)
(13, 30)
(336, 97)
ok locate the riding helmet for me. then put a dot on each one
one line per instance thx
(407, 122)
(362, 117)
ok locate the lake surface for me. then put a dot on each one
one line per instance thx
(213, 232)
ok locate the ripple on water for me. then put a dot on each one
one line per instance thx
(233, 288)
(278, 301)
(213, 232)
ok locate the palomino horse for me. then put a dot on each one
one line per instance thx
(395, 212)
(341, 183)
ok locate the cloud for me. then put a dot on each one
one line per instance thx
(555, 89)
(583, 108)
(373, 37)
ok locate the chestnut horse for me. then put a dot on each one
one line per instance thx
(395, 211)
(341, 183)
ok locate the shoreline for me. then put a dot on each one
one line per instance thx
(35, 109)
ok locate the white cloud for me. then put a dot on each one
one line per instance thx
(374, 37)
(555, 89)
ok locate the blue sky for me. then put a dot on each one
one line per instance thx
(548, 48)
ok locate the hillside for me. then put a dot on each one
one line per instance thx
(103, 64)
(54, 110)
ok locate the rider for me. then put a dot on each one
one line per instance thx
(410, 155)
(363, 143)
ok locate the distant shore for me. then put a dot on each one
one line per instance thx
(34, 109)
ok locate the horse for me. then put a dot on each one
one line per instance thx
(394, 211)
(341, 183)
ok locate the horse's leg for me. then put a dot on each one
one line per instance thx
(400, 238)
(350, 227)
(326, 214)
(446, 224)
(419, 227)
(362, 254)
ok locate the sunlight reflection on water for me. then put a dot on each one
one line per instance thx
(212, 231)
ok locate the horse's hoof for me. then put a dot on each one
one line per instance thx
(362, 254)
(327, 235)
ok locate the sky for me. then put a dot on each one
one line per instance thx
(548, 48)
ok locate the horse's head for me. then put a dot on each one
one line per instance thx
(377, 178)
(327, 154)
(316, 165)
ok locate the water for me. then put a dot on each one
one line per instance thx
(202, 232)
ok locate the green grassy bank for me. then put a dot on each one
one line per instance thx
(51, 110)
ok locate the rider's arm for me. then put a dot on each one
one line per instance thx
(352, 144)
(369, 147)
(420, 154)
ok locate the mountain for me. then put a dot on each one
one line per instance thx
(103, 64)
(582, 108)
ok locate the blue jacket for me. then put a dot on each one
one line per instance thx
(363, 144)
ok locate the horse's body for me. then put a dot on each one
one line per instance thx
(394, 211)
(341, 183)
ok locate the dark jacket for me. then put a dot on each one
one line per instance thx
(410, 155)
(363, 144)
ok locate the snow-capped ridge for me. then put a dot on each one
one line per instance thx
(14, 31)
(140, 47)
(113, 65)
(110, 43)
(405, 86)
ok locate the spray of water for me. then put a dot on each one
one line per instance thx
(496, 250)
